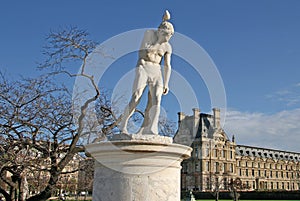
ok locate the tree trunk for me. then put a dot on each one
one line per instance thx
(43, 196)
(20, 190)
(47, 192)
(217, 196)
(5, 194)
(235, 195)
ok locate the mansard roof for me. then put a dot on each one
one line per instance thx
(244, 150)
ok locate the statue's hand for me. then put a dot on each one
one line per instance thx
(166, 90)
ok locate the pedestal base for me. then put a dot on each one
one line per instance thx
(137, 170)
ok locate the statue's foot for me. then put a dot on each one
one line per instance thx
(124, 131)
(121, 136)
(151, 133)
(146, 132)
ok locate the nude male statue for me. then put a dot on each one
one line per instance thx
(155, 47)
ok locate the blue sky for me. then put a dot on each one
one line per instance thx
(254, 44)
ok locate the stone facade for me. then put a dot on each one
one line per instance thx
(216, 160)
(267, 169)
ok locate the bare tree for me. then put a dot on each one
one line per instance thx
(236, 185)
(37, 117)
(216, 186)
(218, 183)
(35, 124)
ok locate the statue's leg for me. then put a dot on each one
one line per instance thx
(137, 89)
(156, 93)
(145, 126)
(130, 108)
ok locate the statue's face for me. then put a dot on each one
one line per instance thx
(165, 31)
(164, 35)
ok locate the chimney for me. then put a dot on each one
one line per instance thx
(216, 113)
(196, 112)
(181, 116)
(196, 119)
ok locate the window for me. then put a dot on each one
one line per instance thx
(207, 151)
(207, 166)
(197, 167)
(215, 153)
(216, 181)
(225, 167)
(217, 167)
(272, 185)
(225, 184)
(231, 167)
(207, 184)
(224, 153)
(196, 152)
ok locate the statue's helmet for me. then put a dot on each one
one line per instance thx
(165, 25)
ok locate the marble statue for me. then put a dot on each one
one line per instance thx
(155, 47)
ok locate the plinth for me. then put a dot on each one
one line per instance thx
(137, 169)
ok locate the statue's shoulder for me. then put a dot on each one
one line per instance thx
(150, 33)
(168, 47)
(150, 36)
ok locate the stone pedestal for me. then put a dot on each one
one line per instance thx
(137, 170)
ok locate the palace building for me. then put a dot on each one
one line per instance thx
(217, 160)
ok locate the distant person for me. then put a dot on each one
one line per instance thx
(62, 197)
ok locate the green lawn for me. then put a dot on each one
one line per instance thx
(196, 200)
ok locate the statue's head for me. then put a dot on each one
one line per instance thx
(166, 27)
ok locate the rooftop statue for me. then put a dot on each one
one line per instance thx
(155, 47)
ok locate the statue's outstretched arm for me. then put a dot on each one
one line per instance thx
(167, 71)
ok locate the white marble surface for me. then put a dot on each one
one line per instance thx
(155, 48)
(143, 137)
(137, 170)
